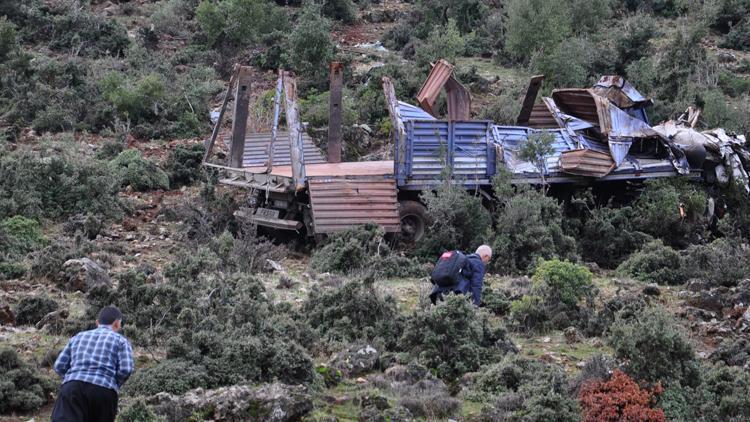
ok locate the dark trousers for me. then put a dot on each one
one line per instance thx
(83, 402)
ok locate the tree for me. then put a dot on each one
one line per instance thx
(311, 48)
(536, 150)
(535, 25)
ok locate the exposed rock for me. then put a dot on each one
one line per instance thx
(53, 319)
(371, 414)
(398, 414)
(746, 315)
(651, 290)
(83, 274)
(410, 373)
(7, 317)
(377, 401)
(696, 285)
(697, 314)
(593, 267)
(88, 225)
(711, 300)
(274, 402)
(571, 335)
(356, 360)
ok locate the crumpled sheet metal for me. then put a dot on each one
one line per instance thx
(620, 92)
(458, 97)
(725, 149)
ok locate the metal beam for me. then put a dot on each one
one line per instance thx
(528, 102)
(217, 126)
(335, 119)
(295, 131)
(239, 123)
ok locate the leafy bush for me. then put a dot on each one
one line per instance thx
(738, 37)
(536, 25)
(529, 227)
(608, 236)
(525, 389)
(20, 235)
(239, 21)
(138, 411)
(655, 348)
(654, 263)
(310, 46)
(184, 165)
(563, 281)
(31, 309)
(721, 262)
(443, 42)
(55, 185)
(557, 289)
(657, 210)
(341, 10)
(22, 389)
(453, 338)
(362, 250)
(355, 311)
(619, 398)
(623, 306)
(48, 262)
(66, 27)
(140, 173)
(174, 376)
(569, 64)
(457, 220)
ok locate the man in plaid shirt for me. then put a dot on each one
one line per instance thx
(94, 365)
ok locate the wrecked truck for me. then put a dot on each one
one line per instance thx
(602, 139)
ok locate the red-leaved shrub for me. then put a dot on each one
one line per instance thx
(619, 399)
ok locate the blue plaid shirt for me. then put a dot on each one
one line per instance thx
(99, 356)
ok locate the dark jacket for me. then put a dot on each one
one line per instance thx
(470, 282)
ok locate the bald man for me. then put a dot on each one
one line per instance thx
(471, 278)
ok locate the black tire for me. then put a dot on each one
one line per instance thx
(413, 221)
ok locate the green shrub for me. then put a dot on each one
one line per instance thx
(184, 165)
(721, 262)
(31, 309)
(495, 301)
(655, 348)
(310, 46)
(738, 37)
(341, 10)
(135, 101)
(457, 220)
(22, 389)
(174, 376)
(362, 250)
(536, 25)
(239, 21)
(624, 306)
(11, 270)
(569, 64)
(48, 262)
(109, 150)
(54, 186)
(443, 42)
(138, 411)
(732, 352)
(608, 236)
(654, 263)
(131, 168)
(20, 235)
(558, 287)
(657, 210)
(529, 227)
(7, 38)
(453, 338)
(525, 389)
(355, 311)
(563, 281)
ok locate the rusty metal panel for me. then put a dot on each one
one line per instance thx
(586, 162)
(459, 100)
(535, 83)
(579, 103)
(541, 118)
(339, 203)
(431, 87)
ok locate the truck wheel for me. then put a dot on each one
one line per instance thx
(413, 221)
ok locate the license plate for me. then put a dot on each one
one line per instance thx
(267, 213)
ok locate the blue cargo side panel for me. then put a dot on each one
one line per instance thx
(472, 150)
(428, 148)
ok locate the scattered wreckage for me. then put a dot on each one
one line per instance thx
(602, 138)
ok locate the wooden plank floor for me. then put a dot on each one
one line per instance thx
(360, 168)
